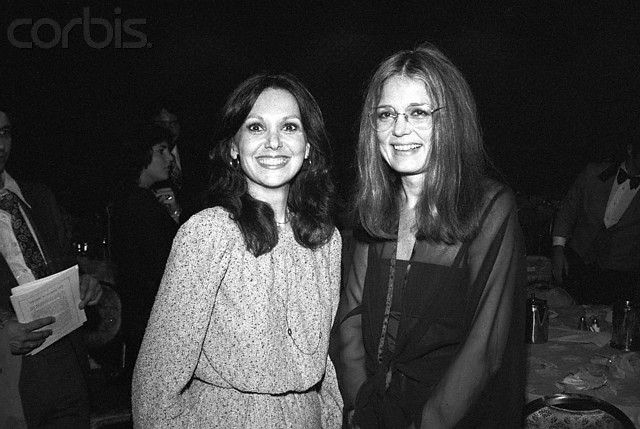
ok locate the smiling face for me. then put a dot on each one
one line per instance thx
(159, 167)
(271, 144)
(404, 147)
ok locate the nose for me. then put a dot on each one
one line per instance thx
(168, 156)
(273, 141)
(401, 125)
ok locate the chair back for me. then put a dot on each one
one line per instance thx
(573, 411)
(103, 319)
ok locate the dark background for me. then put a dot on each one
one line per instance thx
(556, 82)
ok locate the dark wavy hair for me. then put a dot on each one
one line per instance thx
(448, 210)
(311, 192)
(137, 152)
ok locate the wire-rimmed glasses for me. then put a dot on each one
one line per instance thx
(384, 117)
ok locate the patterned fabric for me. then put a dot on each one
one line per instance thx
(176, 176)
(558, 418)
(10, 203)
(236, 341)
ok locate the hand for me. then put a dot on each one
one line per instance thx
(350, 422)
(166, 197)
(24, 337)
(559, 263)
(90, 291)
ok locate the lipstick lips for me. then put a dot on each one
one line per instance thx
(272, 162)
(405, 147)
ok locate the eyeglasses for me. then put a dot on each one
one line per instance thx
(5, 132)
(383, 118)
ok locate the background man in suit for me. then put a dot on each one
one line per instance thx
(49, 388)
(596, 234)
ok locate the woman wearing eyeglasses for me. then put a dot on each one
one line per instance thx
(432, 317)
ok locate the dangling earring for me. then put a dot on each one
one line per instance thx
(234, 163)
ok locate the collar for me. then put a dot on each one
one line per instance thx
(11, 185)
(609, 172)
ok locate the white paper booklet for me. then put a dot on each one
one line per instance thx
(57, 295)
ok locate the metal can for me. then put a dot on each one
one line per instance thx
(537, 323)
(625, 334)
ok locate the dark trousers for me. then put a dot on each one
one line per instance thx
(53, 388)
(590, 284)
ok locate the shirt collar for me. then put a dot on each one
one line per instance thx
(11, 185)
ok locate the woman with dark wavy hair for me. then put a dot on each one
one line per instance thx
(431, 320)
(239, 333)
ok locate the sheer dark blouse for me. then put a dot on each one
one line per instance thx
(443, 331)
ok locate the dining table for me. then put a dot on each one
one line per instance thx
(574, 360)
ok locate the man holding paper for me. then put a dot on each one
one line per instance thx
(48, 387)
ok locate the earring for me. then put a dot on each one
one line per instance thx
(234, 163)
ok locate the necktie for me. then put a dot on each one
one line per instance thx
(623, 176)
(10, 203)
(176, 176)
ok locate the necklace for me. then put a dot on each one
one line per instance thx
(308, 352)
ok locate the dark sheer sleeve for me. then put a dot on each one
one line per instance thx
(351, 364)
(496, 262)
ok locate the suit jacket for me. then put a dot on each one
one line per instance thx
(581, 219)
(46, 219)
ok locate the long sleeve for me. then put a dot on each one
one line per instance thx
(570, 207)
(330, 396)
(496, 260)
(178, 324)
(351, 368)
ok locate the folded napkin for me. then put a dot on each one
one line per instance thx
(626, 365)
(583, 379)
(600, 339)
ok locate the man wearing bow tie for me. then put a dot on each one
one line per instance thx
(596, 233)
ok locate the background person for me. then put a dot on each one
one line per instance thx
(48, 389)
(189, 175)
(142, 231)
(596, 232)
(432, 317)
(239, 332)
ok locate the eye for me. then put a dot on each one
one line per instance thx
(290, 127)
(255, 127)
(385, 114)
(5, 132)
(419, 112)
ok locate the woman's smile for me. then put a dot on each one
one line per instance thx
(406, 147)
(272, 162)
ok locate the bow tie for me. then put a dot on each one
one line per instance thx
(623, 176)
